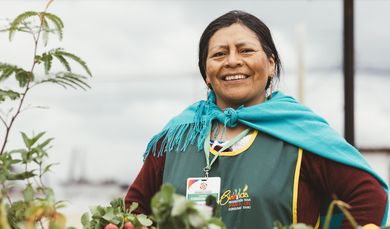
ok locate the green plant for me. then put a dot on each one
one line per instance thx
(25, 167)
(114, 214)
(171, 210)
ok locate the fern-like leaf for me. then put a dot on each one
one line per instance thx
(45, 32)
(79, 78)
(71, 81)
(57, 22)
(63, 61)
(47, 58)
(75, 79)
(23, 77)
(6, 70)
(18, 20)
(8, 93)
(72, 56)
(51, 81)
(68, 79)
(64, 83)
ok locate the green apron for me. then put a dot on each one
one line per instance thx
(259, 182)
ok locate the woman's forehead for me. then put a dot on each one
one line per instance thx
(236, 33)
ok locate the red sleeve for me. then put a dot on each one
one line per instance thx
(356, 187)
(146, 184)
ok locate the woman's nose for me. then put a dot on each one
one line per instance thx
(233, 60)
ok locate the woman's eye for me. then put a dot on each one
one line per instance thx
(247, 50)
(218, 54)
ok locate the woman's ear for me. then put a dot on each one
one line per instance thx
(271, 61)
(208, 82)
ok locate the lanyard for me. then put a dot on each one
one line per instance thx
(206, 148)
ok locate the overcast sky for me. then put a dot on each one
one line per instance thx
(143, 55)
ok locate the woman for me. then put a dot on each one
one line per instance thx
(274, 158)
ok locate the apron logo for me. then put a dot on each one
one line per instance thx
(203, 185)
(236, 200)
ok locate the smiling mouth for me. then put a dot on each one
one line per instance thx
(234, 77)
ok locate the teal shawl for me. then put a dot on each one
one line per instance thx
(281, 116)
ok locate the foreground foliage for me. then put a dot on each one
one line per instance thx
(25, 201)
(169, 211)
(114, 214)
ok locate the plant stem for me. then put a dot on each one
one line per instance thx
(8, 129)
(28, 179)
(329, 215)
(348, 215)
(40, 222)
(36, 40)
(40, 177)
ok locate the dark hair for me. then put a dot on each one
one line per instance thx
(253, 23)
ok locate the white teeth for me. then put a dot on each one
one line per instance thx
(235, 77)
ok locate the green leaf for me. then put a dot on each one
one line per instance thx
(73, 82)
(20, 151)
(143, 219)
(60, 204)
(18, 20)
(58, 82)
(7, 70)
(72, 56)
(85, 218)
(47, 58)
(64, 83)
(76, 79)
(3, 178)
(13, 95)
(162, 203)
(26, 140)
(45, 143)
(97, 212)
(25, 157)
(109, 215)
(49, 191)
(28, 193)
(21, 176)
(68, 79)
(133, 206)
(36, 138)
(15, 161)
(57, 22)
(45, 31)
(23, 77)
(48, 167)
(63, 61)
(117, 203)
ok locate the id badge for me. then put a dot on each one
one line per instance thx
(198, 188)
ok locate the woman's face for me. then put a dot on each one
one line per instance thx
(237, 67)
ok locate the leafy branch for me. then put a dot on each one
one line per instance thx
(38, 205)
(48, 23)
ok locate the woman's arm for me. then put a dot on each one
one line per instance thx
(146, 184)
(357, 188)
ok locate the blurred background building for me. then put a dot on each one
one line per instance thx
(143, 55)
